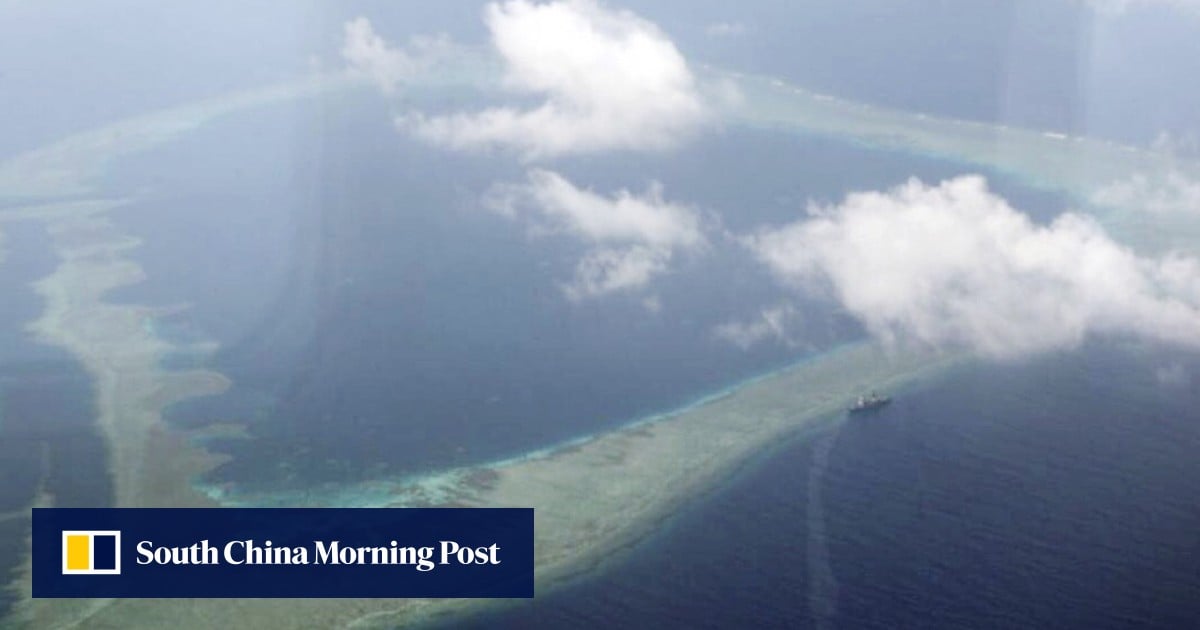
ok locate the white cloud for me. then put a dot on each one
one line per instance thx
(623, 218)
(368, 55)
(608, 80)
(771, 323)
(609, 270)
(1171, 192)
(955, 265)
(633, 236)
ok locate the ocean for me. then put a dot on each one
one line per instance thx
(377, 323)
(1061, 492)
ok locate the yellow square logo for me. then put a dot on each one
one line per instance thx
(91, 552)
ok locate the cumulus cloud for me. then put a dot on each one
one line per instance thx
(633, 237)
(609, 270)
(605, 80)
(624, 217)
(770, 324)
(954, 265)
(1171, 192)
(369, 56)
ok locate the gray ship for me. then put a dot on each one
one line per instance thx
(868, 403)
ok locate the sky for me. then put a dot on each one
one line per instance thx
(945, 264)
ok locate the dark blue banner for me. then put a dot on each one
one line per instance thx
(282, 552)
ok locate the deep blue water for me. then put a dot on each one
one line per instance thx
(1059, 493)
(48, 437)
(376, 320)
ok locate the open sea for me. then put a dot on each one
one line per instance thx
(1059, 493)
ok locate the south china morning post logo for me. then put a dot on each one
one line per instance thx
(91, 552)
(284, 552)
(252, 552)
